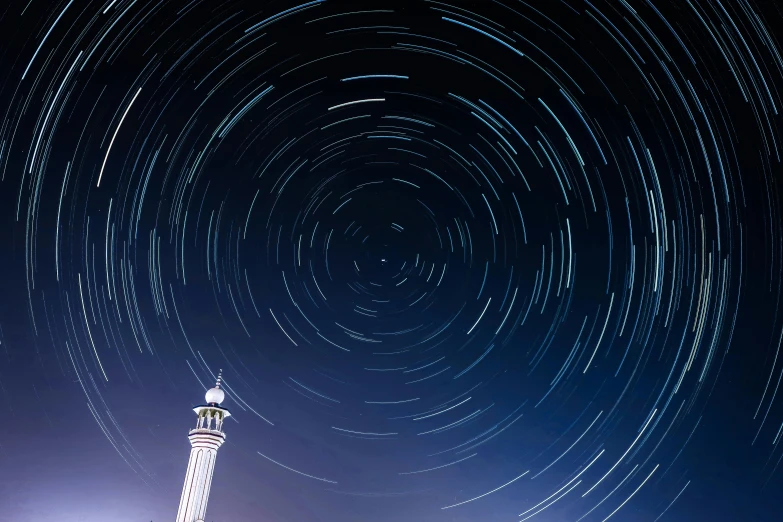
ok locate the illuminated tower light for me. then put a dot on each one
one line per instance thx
(205, 440)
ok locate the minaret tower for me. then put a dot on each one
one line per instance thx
(205, 440)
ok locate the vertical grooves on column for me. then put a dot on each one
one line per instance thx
(198, 479)
(208, 470)
(190, 482)
(198, 486)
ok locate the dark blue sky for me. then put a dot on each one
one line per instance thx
(458, 261)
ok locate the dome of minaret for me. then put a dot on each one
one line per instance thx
(214, 396)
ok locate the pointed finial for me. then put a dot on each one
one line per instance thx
(216, 395)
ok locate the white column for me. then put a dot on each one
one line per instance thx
(198, 478)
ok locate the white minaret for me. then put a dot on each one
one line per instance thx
(205, 440)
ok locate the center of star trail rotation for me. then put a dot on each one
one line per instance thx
(458, 260)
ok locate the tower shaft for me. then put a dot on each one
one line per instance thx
(205, 440)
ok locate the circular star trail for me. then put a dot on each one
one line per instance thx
(457, 260)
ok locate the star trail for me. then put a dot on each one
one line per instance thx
(458, 261)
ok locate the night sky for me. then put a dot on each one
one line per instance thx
(458, 261)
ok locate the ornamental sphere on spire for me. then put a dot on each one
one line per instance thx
(214, 396)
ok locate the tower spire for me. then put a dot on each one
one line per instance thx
(205, 440)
